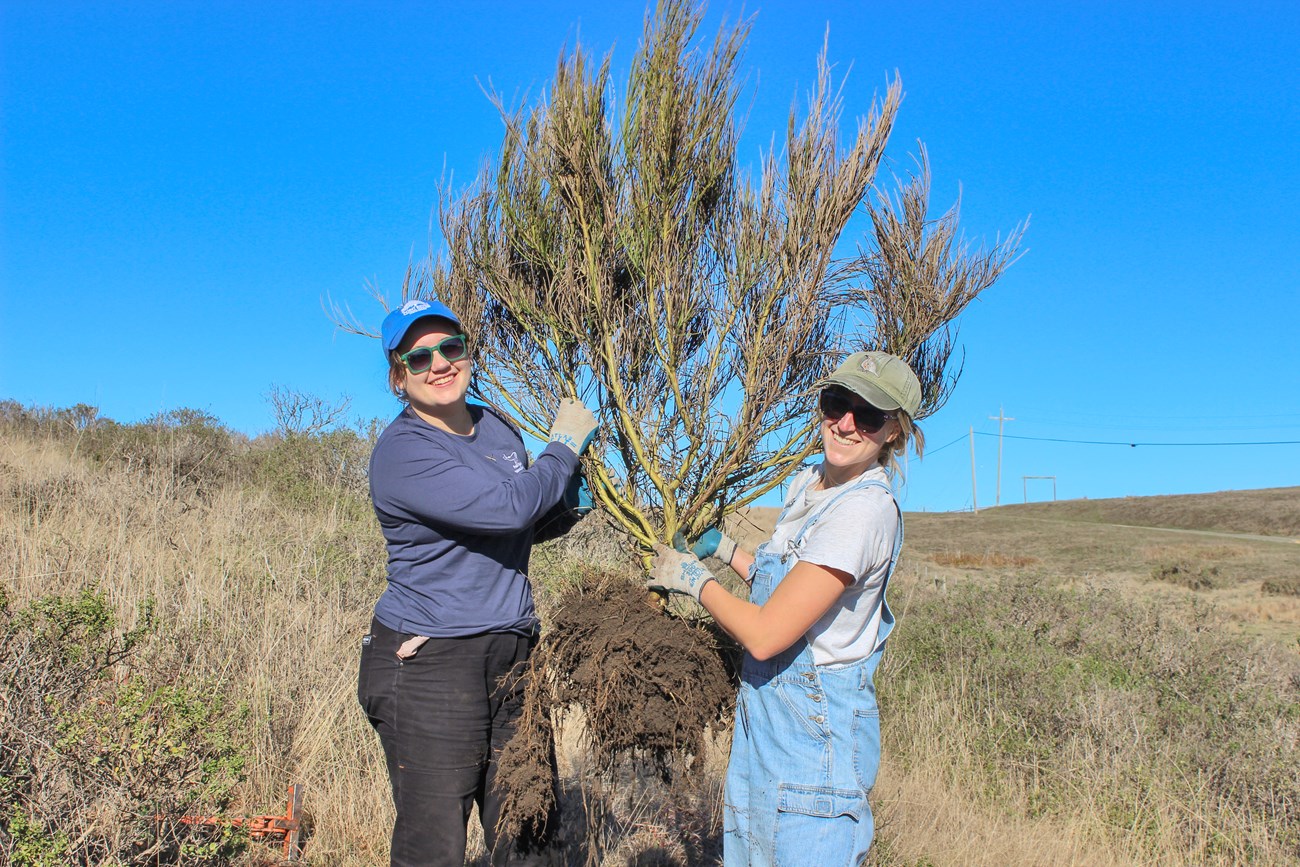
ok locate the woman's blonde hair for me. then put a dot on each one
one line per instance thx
(893, 452)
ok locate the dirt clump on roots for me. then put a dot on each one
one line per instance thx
(649, 685)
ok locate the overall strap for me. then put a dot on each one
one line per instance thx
(886, 615)
(864, 483)
(794, 497)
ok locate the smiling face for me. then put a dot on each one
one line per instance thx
(437, 394)
(850, 451)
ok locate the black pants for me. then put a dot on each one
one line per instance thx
(443, 716)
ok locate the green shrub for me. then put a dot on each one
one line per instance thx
(1188, 575)
(194, 452)
(189, 446)
(30, 845)
(46, 421)
(312, 469)
(102, 756)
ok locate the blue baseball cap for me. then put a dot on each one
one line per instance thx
(399, 321)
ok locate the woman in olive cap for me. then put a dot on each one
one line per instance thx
(806, 746)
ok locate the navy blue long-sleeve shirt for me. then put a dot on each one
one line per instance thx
(457, 513)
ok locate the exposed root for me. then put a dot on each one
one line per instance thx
(648, 684)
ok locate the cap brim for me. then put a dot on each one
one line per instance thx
(396, 340)
(868, 392)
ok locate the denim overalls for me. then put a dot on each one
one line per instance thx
(806, 746)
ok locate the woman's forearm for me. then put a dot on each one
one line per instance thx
(740, 562)
(806, 593)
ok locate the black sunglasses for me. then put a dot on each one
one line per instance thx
(866, 418)
(420, 359)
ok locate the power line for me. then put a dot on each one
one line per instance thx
(1132, 444)
(932, 452)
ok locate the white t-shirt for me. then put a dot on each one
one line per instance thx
(855, 535)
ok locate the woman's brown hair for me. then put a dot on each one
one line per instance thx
(397, 369)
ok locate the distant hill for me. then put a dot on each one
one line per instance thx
(1233, 548)
(1263, 512)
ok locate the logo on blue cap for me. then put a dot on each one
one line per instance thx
(398, 322)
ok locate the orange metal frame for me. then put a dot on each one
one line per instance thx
(287, 827)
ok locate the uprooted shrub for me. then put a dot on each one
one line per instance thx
(100, 756)
(648, 686)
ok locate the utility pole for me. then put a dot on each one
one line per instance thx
(1000, 418)
(974, 502)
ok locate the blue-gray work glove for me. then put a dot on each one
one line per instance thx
(577, 496)
(574, 425)
(714, 543)
(677, 572)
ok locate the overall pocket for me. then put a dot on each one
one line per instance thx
(816, 825)
(866, 747)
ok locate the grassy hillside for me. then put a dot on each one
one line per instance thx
(1235, 550)
(1173, 548)
(180, 610)
(1266, 512)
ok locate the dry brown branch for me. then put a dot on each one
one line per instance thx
(622, 256)
(616, 251)
(917, 276)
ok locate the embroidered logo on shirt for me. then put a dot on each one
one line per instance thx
(513, 458)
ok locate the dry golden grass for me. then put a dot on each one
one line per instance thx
(1063, 551)
(926, 815)
(1266, 512)
(940, 801)
(270, 597)
(250, 592)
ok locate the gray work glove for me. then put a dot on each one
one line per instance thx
(574, 425)
(677, 572)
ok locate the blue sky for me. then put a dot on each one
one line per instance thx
(182, 184)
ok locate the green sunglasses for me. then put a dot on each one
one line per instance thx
(420, 359)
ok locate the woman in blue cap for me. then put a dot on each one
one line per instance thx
(806, 745)
(457, 502)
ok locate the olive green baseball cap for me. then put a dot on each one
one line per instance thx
(882, 380)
